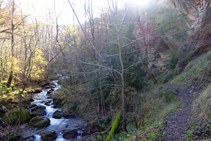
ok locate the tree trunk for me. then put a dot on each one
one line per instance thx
(12, 50)
(123, 84)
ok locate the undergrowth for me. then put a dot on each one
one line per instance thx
(156, 104)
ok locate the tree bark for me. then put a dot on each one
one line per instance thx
(123, 84)
(12, 48)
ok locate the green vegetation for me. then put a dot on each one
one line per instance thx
(196, 73)
(115, 125)
(129, 58)
(13, 116)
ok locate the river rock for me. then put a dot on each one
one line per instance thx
(52, 85)
(13, 116)
(57, 114)
(27, 100)
(15, 138)
(29, 91)
(6, 100)
(32, 105)
(40, 122)
(45, 83)
(34, 114)
(40, 109)
(37, 90)
(70, 133)
(47, 103)
(48, 136)
(47, 87)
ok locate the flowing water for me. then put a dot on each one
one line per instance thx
(57, 125)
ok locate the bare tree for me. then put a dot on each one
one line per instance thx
(12, 45)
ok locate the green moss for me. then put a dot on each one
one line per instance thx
(13, 116)
(197, 72)
(115, 125)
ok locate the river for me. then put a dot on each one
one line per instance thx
(57, 125)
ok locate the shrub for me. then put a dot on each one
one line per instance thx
(168, 96)
(8, 90)
(172, 63)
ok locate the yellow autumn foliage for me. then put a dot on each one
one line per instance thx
(16, 64)
(37, 63)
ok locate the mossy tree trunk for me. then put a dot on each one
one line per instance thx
(115, 125)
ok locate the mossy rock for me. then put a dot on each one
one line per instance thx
(11, 106)
(34, 114)
(6, 100)
(48, 136)
(39, 109)
(60, 81)
(38, 90)
(57, 114)
(13, 116)
(32, 105)
(29, 91)
(45, 83)
(70, 133)
(40, 122)
(95, 127)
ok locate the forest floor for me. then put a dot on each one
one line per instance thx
(177, 122)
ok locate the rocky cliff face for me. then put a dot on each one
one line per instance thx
(196, 40)
(197, 12)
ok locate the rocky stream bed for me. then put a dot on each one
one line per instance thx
(49, 124)
(42, 120)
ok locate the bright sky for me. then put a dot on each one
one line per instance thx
(40, 8)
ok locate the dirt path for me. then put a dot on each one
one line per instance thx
(177, 121)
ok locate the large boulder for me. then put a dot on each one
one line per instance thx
(57, 114)
(48, 136)
(39, 109)
(5, 101)
(70, 133)
(40, 122)
(13, 116)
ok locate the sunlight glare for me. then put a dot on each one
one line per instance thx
(143, 3)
